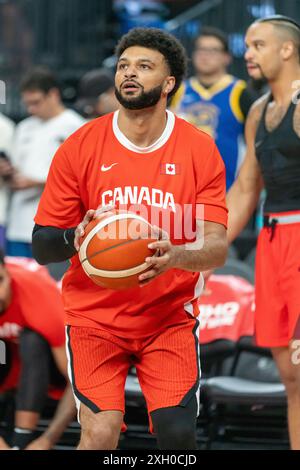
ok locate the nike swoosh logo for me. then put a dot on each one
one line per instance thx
(107, 168)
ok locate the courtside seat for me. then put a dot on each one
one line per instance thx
(248, 402)
(253, 380)
(214, 355)
(235, 390)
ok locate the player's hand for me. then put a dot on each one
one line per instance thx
(90, 215)
(165, 258)
(41, 443)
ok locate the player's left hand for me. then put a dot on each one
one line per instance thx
(165, 257)
(41, 443)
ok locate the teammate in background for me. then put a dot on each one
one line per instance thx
(35, 142)
(96, 94)
(147, 157)
(32, 327)
(272, 161)
(7, 128)
(215, 101)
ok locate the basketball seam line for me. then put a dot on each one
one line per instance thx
(110, 248)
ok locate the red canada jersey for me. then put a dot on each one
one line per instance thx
(36, 303)
(179, 177)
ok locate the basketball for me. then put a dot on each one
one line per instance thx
(114, 248)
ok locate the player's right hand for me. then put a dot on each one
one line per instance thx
(79, 231)
(90, 215)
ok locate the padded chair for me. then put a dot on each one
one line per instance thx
(251, 401)
(214, 355)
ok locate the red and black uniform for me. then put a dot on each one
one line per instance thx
(36, 305)
(278, 255)
(156, 325)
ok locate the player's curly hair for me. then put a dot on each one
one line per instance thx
(159, 40)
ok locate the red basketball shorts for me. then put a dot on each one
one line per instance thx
(167, 365)
(277, 285)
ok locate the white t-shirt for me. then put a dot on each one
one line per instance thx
(35, 144)
(7, 128)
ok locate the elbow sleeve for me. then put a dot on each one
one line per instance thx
(52, 244)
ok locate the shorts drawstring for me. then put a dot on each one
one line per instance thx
(270, 225)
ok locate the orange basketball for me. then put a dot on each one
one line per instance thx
(114, 248)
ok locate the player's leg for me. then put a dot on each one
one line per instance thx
(98, 367)
(99, 431)
(175, 426)
(33, 385)
(290, 376)
(287, 358)
(272, 325)
(8, 380)
(169, 371)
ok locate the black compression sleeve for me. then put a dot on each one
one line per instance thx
(52, 244)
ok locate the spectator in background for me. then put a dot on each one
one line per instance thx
(96, 94)
(215, 101)
(32, 326)
(135, 13)
(7, 128)
(36, 140)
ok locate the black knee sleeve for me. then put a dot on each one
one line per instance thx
(34, 381)
(176, 426)
(21, 438)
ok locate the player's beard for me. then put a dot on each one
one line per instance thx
(146, 99)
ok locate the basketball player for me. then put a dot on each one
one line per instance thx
(272, 161)
(215, 101)
(145, 156)
(35, 344)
